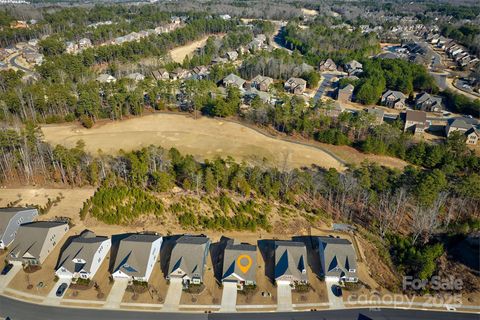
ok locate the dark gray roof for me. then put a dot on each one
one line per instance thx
(290, 260)
(397, 94)
(339, 257)
(231, 261)
(188, 255)
(82, 249)
(459, 123)
(134, 253)
(417, 116)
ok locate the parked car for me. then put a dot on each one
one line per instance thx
(337, 290)
(61, 289)
(6, 269)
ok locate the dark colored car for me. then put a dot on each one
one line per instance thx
(6, 269)
(337, 290)
(61, 289)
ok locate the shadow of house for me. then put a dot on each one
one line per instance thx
(166, 251)
(64, 247)
(313, 257)
(116, 238)
(217, 252)
(267, 250)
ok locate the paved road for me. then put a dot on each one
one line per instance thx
(19, 310)
(13, 62)
(323, 86)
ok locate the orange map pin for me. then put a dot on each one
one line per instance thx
(244, 262)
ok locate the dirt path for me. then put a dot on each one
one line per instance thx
(203, 138)
(178, 54)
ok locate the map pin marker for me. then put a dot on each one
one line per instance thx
(243, 265)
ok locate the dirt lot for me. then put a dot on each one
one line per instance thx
(203, 138)
(179, 53)
(156, 292)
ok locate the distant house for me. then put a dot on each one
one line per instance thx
(106, 78)
(415, 121)
(353, 67)
(345, 94)
(179, 74)
(473, 135)
(377, 113)
(136, 257)
(84, 43)
(290, 262)
(188, 259)
(200, 72)
(136, 76)
(295, 85)
(262, 83)
(35, 241)
(219, 60)
(328, 65)
(240, 264)
(83, 256)
(10, 221)
(232, 55)
(233, 80)
(393, 99)
(428, 103)
(161, 74)
(332, 109)
(251, 93)
(338, 259)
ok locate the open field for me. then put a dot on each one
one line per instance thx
(203, 138)
(179, 53)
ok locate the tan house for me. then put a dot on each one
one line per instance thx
(393, 99)
(416, 121)
(35, 241)
(345, 94)
(295, 85)
(262, 83)
(473, 135)
(328, 65)
(161, 74)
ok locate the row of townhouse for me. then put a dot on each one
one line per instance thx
(137, 254)
(454, 50)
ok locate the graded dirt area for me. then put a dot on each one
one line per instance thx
(203, 138)
(179, 53)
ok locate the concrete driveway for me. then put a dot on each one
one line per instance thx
(229, 297)
(7, 278)
(284, 296)
(116, 293)
(174, 294)
(335, 302)
(52, 295)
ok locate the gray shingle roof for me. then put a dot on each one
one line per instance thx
(82, 248)
(231, 262)
(188, 255)
(6, 214)
(339, 257)
(134, 253)
(397, 94)
(290, 260)
(31, 238)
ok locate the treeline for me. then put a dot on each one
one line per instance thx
(395, 74)
(319, 42)
(461, 104)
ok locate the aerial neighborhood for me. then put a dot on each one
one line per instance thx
(277, 159)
